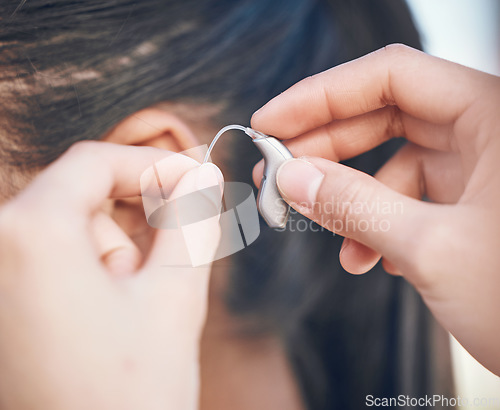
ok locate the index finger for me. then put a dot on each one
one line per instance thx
(425, 87)
(91, 172)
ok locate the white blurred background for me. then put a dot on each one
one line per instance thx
(466, 32)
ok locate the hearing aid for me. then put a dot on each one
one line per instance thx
(272, 207)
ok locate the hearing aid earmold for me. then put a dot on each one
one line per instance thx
(270, 204)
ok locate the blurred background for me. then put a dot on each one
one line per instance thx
(466, 32)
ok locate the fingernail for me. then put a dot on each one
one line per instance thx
(209, 175)
(299, 181)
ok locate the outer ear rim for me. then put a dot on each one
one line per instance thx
(153, 127)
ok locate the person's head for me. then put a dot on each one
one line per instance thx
(170, 73)
(73, 70)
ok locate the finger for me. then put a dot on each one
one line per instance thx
(195, 206)
(389, 267)
(417, 172)
(414, 172)
(355, 205)
(344, 139)
(168, 274)
(423, 86)
(117, 251)
(65, 196)
(400, 173)
(357, 258)
(258, 171)
(90, 172)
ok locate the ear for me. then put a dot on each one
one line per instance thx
(153, 127)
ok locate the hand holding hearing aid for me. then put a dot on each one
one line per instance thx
(89, 325)
(447, 248)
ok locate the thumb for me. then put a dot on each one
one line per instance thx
(188, 221)
(355, 205)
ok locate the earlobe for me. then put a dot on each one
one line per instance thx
(153, 127)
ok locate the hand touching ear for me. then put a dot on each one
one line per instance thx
(85, 324)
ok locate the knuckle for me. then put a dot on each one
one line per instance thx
(355, 192)
(348, 194)
(346, 198)
(309, 82)
(396, 49)
(395, 126)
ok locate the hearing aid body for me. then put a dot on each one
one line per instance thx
(270, 204)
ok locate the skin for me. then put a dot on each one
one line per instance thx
(119, 326)
(241, 371)
(445, 110)
(126, 287)
(447, 248)
(256, 368)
